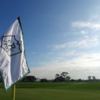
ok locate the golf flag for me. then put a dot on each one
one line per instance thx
(13, 65)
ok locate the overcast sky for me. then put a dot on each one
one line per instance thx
(60, 35)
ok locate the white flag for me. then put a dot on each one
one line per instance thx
(13, 65)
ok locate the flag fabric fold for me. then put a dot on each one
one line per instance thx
(13, 64)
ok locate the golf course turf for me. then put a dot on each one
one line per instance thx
(54, 91)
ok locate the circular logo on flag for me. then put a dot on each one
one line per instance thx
(11, 45)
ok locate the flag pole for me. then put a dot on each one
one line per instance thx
(14, 92)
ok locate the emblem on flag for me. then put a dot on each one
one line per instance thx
(11, 45)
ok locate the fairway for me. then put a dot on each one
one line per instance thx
(54, 91)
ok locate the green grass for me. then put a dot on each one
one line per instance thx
(54, 91)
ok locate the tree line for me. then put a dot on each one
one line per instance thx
(62, 77)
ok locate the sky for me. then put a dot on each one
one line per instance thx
(59, 35)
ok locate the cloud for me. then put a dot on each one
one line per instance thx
(84, 32)
(81, 67)
(60, 46)
(87, 42)
(89, 25)
(90, 60)
(84, 42)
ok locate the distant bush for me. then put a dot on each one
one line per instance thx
(29, 79)
(43, 80)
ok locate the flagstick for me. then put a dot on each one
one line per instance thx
(14, 92)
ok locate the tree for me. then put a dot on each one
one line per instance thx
(62, 77)
(64, 74)
(57, 75)
(68, 78)
(94, 78)
(89, 78)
